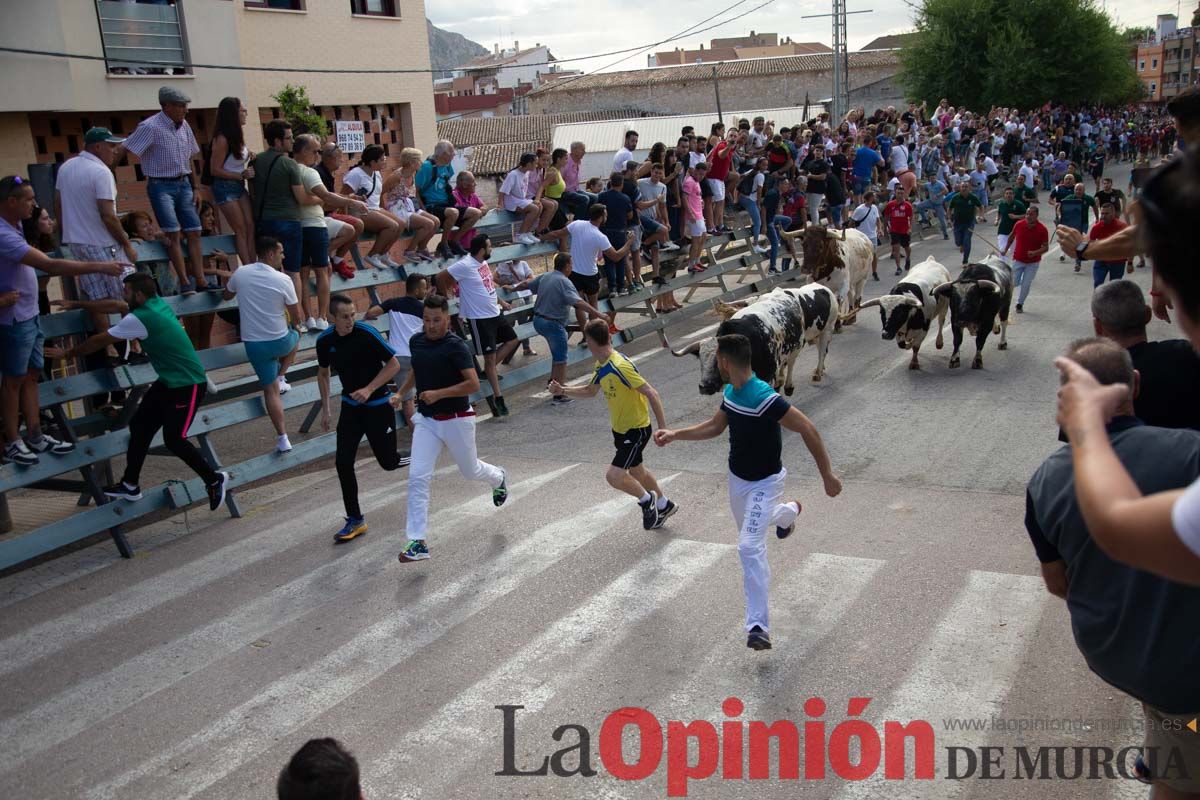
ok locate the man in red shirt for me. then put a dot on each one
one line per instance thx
(720, 160)
(1107, 226)
(1029, 242)
(897, 223)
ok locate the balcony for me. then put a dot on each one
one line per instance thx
(140, 38)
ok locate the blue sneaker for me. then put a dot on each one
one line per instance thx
(353, 528)
(414, 550)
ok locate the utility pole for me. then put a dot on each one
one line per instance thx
(841, 59)
(717, 89)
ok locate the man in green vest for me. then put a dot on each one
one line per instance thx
(172, 401)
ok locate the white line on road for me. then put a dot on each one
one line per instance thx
(582, 639)
(101, 695)
(969, 664)
(243, 732)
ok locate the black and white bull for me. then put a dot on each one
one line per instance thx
(980, 294)
(911, 307)
(779, 324)
(841, 260)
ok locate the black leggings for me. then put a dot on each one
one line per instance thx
(379, 425)
(172, 410)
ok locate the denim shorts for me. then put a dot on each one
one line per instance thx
(264, 356)
(173, 204)
(555, 334)
(290, 235)
(650, 225)
(226, 191)
(314, 247)
(21, 348)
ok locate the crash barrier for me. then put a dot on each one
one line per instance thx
(734, 270)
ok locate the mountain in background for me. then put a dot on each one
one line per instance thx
(447, 49)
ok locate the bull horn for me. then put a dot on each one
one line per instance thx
(909, 300)
(942, 287)
(692, 349)
(871, 303)
(991, 286)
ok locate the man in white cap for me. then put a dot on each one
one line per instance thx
(166, 146)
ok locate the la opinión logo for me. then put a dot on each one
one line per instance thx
(738, 749)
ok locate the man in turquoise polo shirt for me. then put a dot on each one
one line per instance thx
(172, 401)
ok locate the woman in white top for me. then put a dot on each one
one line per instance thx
(398, 200)
(227, 160)
(1159, 533)
(514, 197)
(365, 182)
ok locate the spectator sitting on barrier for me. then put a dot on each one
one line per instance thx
(268, 299)
(323, 769)
(464, 195)
(516, 277)
(400, 199)
(594, 186)
(21, 341)
(576, 200)
(141, 228)
(344, 228)
(552, 186)
(365, 183)
(433, 192)
(516, 198)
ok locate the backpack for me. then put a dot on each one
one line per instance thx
(746, 184)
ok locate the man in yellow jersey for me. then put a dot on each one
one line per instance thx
(630, 399)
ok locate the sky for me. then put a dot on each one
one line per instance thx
(575, 28)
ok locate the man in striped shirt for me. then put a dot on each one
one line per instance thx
(166, 146)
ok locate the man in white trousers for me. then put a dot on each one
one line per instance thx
(753, 412)
(443, 374)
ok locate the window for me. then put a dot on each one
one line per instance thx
(374, 8)
(1142, 65)
(277, 5)
(1153, 88)
(1154, 63)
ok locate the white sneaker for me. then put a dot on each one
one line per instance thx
(668, 245)
(527, 238)
(386, 259)
(301, 329)
(321, 323)
(376, 261)
(312, 324)
(760, 249)
(284, 386)
(283, 445)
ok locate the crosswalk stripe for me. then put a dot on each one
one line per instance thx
(47, 638)
(99, 696)
(241, 733)
(536, 673)
(970, 661)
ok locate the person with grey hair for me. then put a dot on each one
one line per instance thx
(433, 184)
(1169, 371)
(576, 200)
(1134, 628)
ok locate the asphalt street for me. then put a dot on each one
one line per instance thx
(197, 668)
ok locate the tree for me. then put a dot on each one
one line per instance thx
(1196, 18)
(1017, 53)
(297, 109)
(1134, 35)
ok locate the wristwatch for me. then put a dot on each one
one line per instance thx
(1081, 248)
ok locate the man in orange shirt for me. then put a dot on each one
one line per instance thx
(1105, 227)
(897, 222)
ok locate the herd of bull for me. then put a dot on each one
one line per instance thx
(837, 264)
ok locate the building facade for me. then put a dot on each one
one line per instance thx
(1168, 62)
(49, 102)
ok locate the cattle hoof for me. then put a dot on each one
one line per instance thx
(788, 390)
(913, 365)
(996, 330)
(1003, 346)
(954, 363)
(939, 344)
(977, 363)
(837, 326)
(816, 377)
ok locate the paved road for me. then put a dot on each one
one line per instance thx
(197, 668)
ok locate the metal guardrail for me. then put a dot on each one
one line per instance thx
(735, 271)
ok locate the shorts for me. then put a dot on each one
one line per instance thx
(290, 234)
(264, 356)
(695, 228)
(1167, 732)
(21, 348)
(630, 446)
(440, 212)
(97, 285)
(335, 227)
(227, 191)
(174, 205)
(555, 334)
(717, 186)
(650, 225)
(902, 239)
(861, 184)
(516, 203)
(489, 333)
(585, 284)
(402, 376)
(314, 246)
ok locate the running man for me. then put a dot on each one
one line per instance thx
(268, 300)
(630, 399)
(405, 319)
(753, 412)
(444, 377)
(364, 363)
(171, 402)
(897, 223)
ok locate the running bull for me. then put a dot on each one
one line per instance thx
(841, 260)
(977, 296)
(778, 325)
(911, 307)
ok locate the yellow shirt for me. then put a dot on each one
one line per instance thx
(620, 379)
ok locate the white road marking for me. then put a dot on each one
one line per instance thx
(99, 696)
(556, 659)
(49, 637)
(969, 664)
(240, 734)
